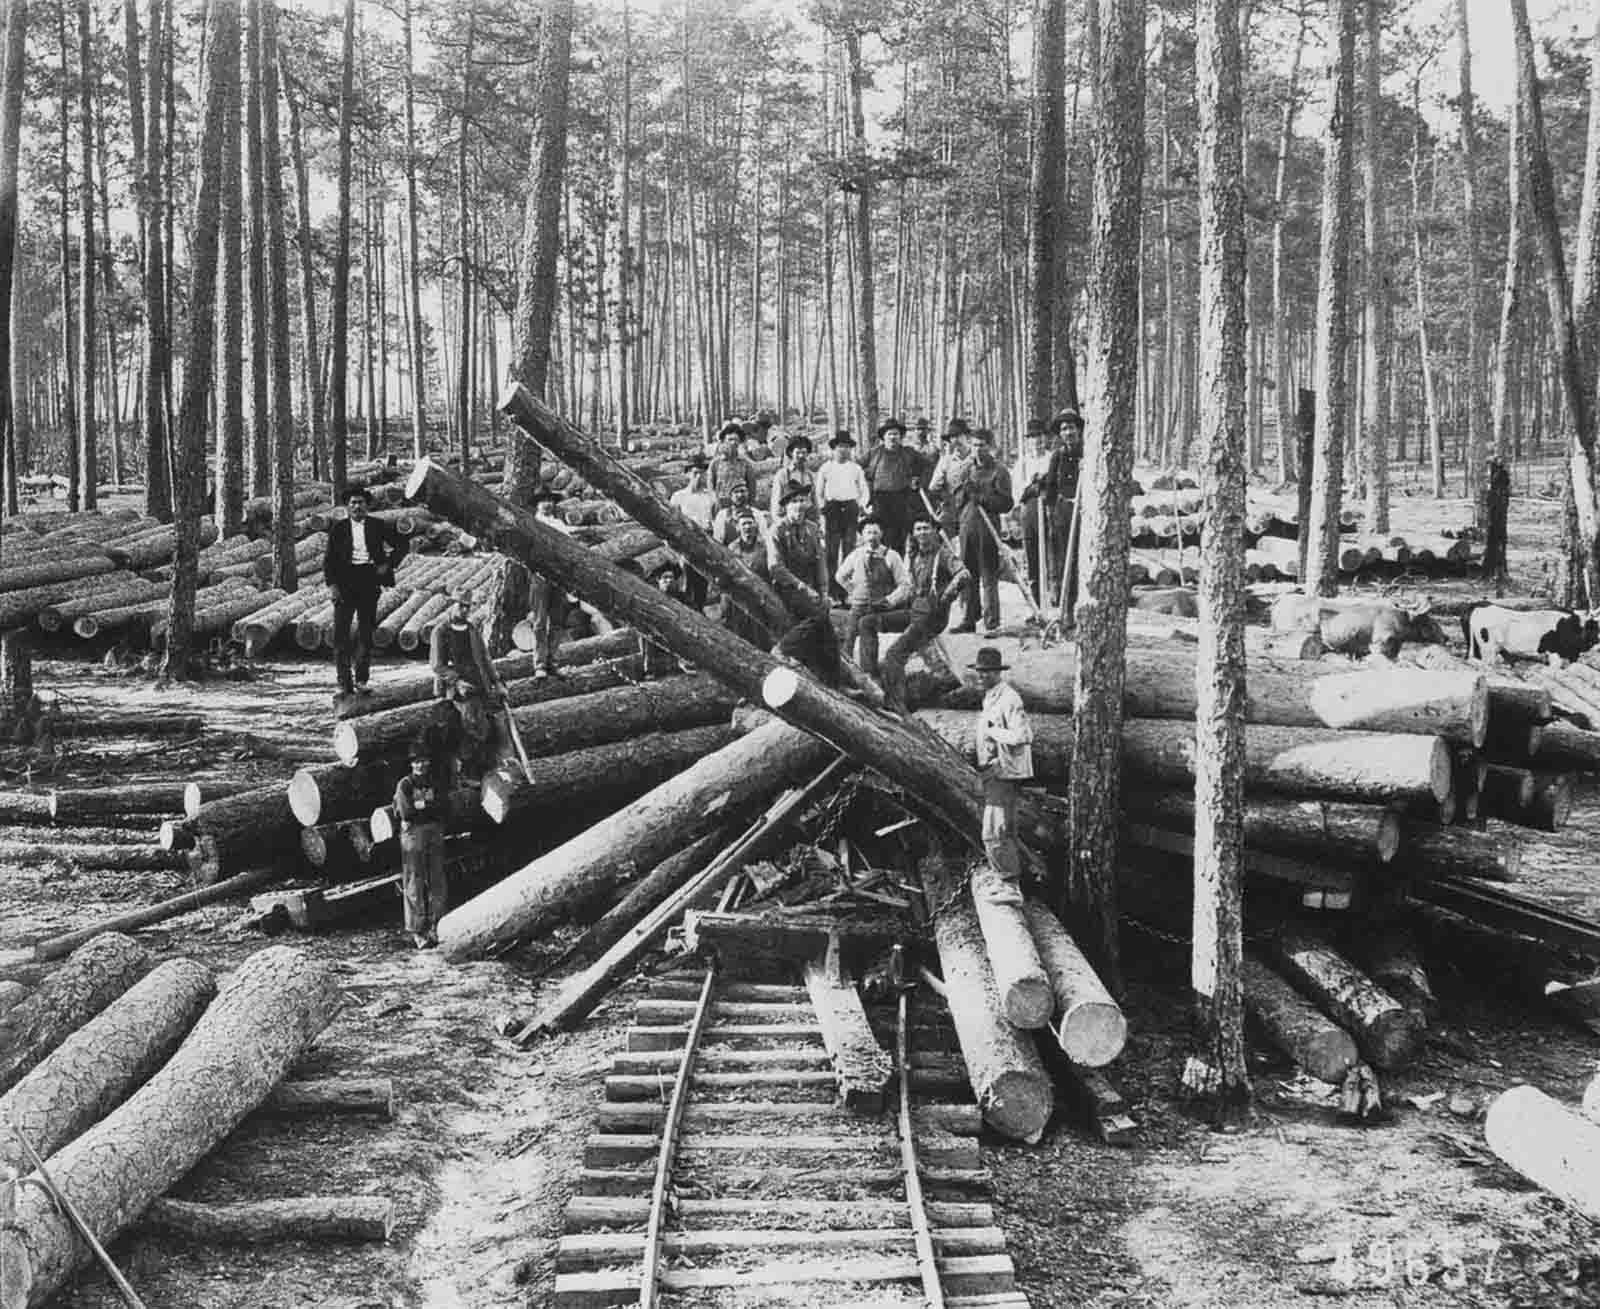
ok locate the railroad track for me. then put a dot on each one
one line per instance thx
(724, 1171)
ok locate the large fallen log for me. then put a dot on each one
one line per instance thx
(1019, 975)
(338, 791)
(1322, 828)
(640, 836)
(1089, 1025)
(599, 774)
(1008, 1079)
(1562, 743)
(100, 1064)
(65, 1000)
(1313, 1041)
(256, 1222)
(1307, 873)
(1462, 852)
(118, 589)
(556, 724)
(265, 1016)
(86, 803)
(1388, 1034)
(236, 831)
(1549, 1143)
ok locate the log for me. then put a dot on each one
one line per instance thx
(1312, 874)
(1550, 1144)
(555, 725)
(25, 808)
(579, 996)
(1461, 852)
(337, 791)
(21, 606)
(1389, 1035)
(1008, 1079)
(56, 946)
(65, 1000)
(863, 1067)
(339, 1096)
(86, 804)
(119, 589)
(265, 1015)
(1293, 1024)
(257, 631)
(110, 723)
(256, 1222)
(70, 569)
(1395, 963)
(219, 615)
(1284, 824)
(767, 934)
(113, 857)
(98, 1066)
(1145, 627)
(1562, 743)
(11, 993)
(1019, 976)
(938, 783)
(1089, 1025)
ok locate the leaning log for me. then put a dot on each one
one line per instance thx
(257, 1222)
(64, 1001)
(862, 1067)
(1293, 1024)
(640, 836)
(98, 1066)
(1549, 1143)
(1282, 823)
(1008, 1079)
(1089, 1025)
(1389, 1035)
(265, 1016)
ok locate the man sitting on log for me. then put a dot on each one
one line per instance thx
(1005, 758)
(419, 802)
(750, 550)
(464, 676)
(876, 584)
(937, 578)
(547, 604)
(695, 502)
(358, 563)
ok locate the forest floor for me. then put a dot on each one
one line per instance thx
(1297, 1209)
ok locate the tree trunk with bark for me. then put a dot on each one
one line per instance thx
(339, 331)
(11, 89)
(257, 1222)
(1320, 1046)
(1467, 134)
(228, 506)
(285, 573)
(1046, 201)
(157, 341)
(1089, 1025)
(88, 461)
(1375, 337)
(1388, 1035)
(259, 451)
(1282, 365)
(413, 277)
(311, 350)
(865, 276)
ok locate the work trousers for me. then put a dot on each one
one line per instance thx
(981, 555)
(866, 625)
(812, 643)
(896, 509)
(358, 600)
(547, 608)
(422, 879)
(1000, 826)
(1039, 561)
(925, 624)
(839, 535)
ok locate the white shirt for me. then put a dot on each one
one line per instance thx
(697, 506)
(1004, 735)
(358, 543)
(838, 482)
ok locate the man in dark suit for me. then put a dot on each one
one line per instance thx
(360, 561)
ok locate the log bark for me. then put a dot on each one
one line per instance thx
(124, 590)
(1562, 743)
(766, 934)
(1461, 852)
(1154, 633)
(30, 576)
(606, 774)
(57, 946)
(120, 858)
(265, 1016)
(556, 725)
(11, 994)
(256, 1222)
(647, 831)
(1314, 874)
(1089, 1025)
(1549, 1143)
(100, 1064)
(1395, 964)
(65, 1000)
(1387, 1034)
(1019, 976)
(1008, 1079)
(109, 723)
(1293, 1024)
(1322, 828)
(863, 1067)
(336, 791)
(339, 1096)
(87, 804)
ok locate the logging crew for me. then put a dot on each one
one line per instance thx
(547, 603)
(982, 490)
(730, 467)
(876, 584)
(358, 563)
(696, 503)
(937, 578)
(842, 497)
(1005, 758)
(1034, 503)
(750, 549)
(894, 472)
(419, 802)
(798, 559)
(792, 476)
(464, 677)
(1061, 486)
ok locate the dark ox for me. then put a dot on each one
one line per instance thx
(1357, 627)
(1556, 635)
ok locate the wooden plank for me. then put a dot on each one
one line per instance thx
(589, 1211)
(676, 988)
(603, 1150)
(660, 1012)
(666, 1061)
(782, 1116)
(650, 1088)
(635, 1181)
(978, 1274)
(668, 1037)
(580, 1251)
(927, 1263)
(1109, 1114)
(862, 1067)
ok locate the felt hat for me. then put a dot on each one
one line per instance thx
(700, 462)
(799, 443)
(670, 566)
(841, 437)
(923, 424)
(419, 750)
(1035, 427)
(868, 518)
(989, 661)
(1065, 416)
(983, 436)
(892, 425)
(957, 427)
(798, 493)
(730, 428)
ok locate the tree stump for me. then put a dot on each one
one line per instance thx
(1494, 507)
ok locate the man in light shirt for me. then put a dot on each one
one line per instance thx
(876, 584)
(1005, 758)
(696, 503)
(842, 497)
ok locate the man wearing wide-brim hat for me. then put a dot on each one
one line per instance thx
(894, 472)
(464, 677)
(695, 502)
(842, 497)
(1061, 498)
(547, 603)
(1005, 758)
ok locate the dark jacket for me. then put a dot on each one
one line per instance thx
(383, 548)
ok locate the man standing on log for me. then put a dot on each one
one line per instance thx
(358, 563)
(547, 604)
(1005, 757)
(982, 489)
(1061, 499)
(842, 497)
(419, 803)
(696, 503)
(464, 676)
(876, 584)
(1032, 466)
(937, 578)
(730, 467)
(894, 473)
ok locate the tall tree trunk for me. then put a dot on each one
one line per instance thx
(1511, 292)
(1102, 615)
(413, 279)
(11, 88)
(1586, 272)
(1046, 201)
(229, 505)
(1321, 574)
(285, 575)
(541, 235)
(464, 412)
(1577, 385)
(624, 250)
(1375, 339)
(1467, 131)
(866, 288)
(311, 349)
(338, 375)
(157, 346)
(88, 267)
(189, 473)
(1218, 951)
(69, 333)
(260, 447)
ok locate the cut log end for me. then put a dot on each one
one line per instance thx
(420, 471)
(1018, 1104)
(383, 825)
(1440, 770)
(191, 800)
(780, 687)
(1389, 836)
(346, 744)
(305, 798)
(1094, 1032)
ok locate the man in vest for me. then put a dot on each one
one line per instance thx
(983, 488)
(937, 578)
(876, 584)
(842, 497)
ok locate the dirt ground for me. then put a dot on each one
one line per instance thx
(1298, 1209)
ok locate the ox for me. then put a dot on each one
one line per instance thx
(1357, 627)
(1557, 635)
